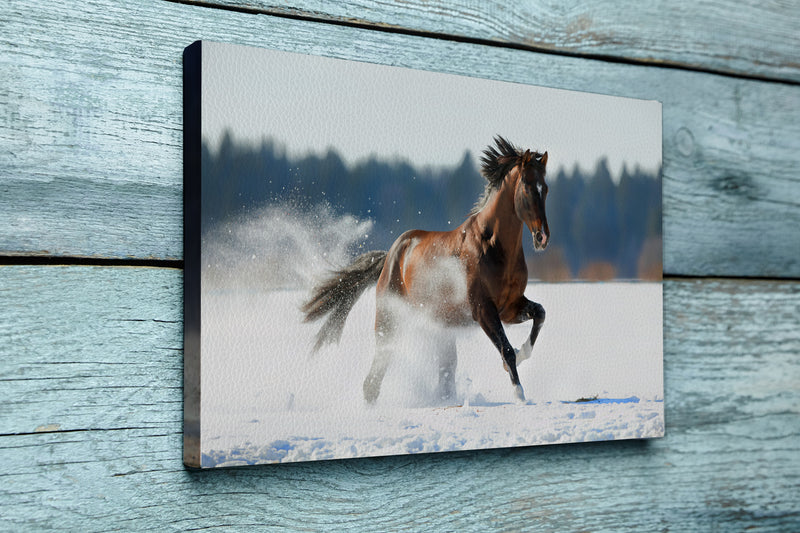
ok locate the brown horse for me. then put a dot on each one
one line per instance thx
(476, 272)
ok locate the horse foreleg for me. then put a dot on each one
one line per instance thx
(489, 320)
(535, 312)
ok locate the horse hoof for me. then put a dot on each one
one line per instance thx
(370, 398)
(524, 351)
(520, 394)
(371, 392)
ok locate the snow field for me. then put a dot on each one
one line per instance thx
(267, 398)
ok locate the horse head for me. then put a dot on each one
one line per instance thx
(530, 194)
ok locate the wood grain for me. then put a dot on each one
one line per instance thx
(739, 38)
(90, 430)
(91, 158)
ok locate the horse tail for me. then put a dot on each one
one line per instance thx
(337, 295)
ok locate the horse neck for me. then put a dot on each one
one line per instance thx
(501, 218)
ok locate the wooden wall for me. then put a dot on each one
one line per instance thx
(91, 280)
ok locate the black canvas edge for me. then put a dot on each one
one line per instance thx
(192, 136)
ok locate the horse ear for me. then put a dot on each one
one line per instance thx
(543, 160)
(526, 157)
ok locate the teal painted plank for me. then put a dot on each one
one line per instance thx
(90, 430)
(740, 38)
(110, 344)
(131, 482)
(91, 159)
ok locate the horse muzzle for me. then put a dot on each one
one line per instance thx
(540, 240)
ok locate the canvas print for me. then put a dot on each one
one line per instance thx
(386, 261)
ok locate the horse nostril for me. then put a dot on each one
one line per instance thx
(538, 236)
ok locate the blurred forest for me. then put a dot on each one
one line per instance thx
(599, 230)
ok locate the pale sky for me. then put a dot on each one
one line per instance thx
(310, 104)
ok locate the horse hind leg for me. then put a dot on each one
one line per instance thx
(384, 329)
(447, 360)
(372, 384)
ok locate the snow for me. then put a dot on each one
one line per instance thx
(266, 398)
(401, 431)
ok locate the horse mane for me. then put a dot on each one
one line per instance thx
(497, 161)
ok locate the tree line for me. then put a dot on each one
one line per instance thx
(599, 229)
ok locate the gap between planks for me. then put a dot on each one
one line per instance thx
(178, 264)
(388, 28)
(56, 260)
